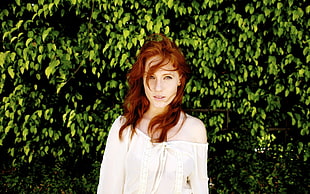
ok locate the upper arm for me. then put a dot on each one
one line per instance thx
(111, 178)
(200, 131)
(196, 130)
(199, 177)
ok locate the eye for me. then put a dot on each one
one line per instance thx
(151, 77)
(168, 77)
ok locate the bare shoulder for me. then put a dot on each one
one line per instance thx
(195, 129)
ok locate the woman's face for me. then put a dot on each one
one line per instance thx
(161, 87)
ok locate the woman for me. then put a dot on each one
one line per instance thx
(155, 147)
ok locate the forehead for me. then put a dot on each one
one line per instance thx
(157, 61)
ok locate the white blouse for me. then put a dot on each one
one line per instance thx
(138, 166)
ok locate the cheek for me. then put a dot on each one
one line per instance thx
(172, 88)
(147, 90)
(145, 85)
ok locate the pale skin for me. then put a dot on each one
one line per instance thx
(160, 91)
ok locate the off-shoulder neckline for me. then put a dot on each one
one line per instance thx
(171, 141)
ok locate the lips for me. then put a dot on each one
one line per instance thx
(158, 97)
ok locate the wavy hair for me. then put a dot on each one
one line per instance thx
(136, 102)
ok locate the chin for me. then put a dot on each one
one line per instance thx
(160, 105)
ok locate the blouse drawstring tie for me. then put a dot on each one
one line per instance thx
(163, 149)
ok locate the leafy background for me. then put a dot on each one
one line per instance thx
(63, 66)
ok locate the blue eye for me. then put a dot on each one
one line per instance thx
(152, 77)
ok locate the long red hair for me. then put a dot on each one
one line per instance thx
(136, 102)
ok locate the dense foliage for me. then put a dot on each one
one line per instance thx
(63, 65)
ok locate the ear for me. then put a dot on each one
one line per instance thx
(179, 82)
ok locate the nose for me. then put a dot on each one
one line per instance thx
(159, 85)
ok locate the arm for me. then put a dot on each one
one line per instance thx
(199, 179)
(112, 173)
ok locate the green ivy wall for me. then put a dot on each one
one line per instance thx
(63, 65)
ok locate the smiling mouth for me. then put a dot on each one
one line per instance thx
(159, 97)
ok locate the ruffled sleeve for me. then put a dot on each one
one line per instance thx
(112, 171)
(199, 178)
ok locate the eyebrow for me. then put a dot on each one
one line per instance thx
(168, 74)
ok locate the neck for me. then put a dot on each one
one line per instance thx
(153, 112)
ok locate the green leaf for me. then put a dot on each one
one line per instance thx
(126, 33)
(92, 55)
(167, 29)
(158, 27)
(26, 149)
(51, 68)
(147, 18)
(45, 33)
(149, 26)
(28, 41)
(170, 3)
(17, 2)
(11, 72)
(2, 58)
(73, 130)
